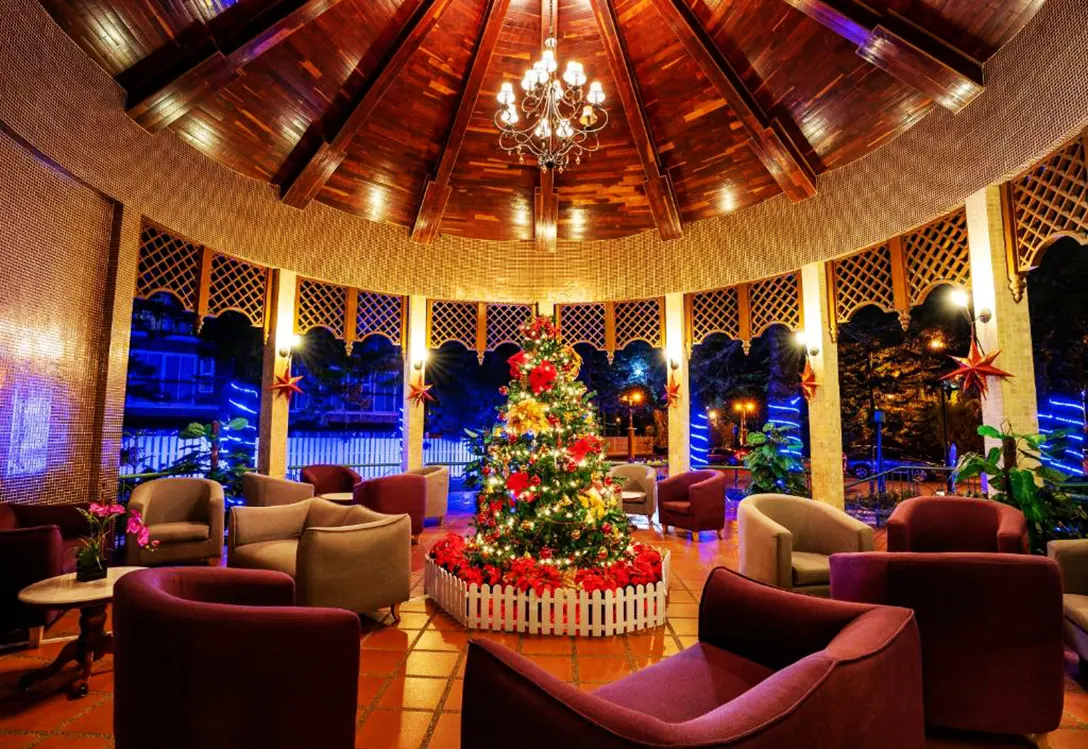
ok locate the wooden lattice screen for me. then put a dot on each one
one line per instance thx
(380, 314)
(455, 321)
(716, 311)
(773, 301)
(320, 305)
(239, 286)
(876, 276)
(349, 314)
(585, 323)
(937, 254)
(642, 320)
(168, 263)
(502, 322)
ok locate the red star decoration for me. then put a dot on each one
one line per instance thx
(286, 384)
(419, 392)
(672, 392)
(808, 382)
(974, 369)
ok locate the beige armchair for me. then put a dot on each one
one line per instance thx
(637, 478)
(266, 491)
(786, 541)
(340, 556)
(1072, 557)
(185, 515)
(438, 491)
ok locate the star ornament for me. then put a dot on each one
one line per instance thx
(808, 382)
(973, 370)
(672, 392)
(420, 392)
(286, 384)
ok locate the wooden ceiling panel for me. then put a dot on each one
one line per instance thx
(977, 27)
(735, 181)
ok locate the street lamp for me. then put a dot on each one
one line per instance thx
(631, 399)
(745, 408)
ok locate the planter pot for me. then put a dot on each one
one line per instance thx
(86, 573)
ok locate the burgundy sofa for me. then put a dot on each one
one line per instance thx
(991, 629)
(772, 669)
(330, 479)
(402, 494)
(935, 524)
(221, 659)
(36, 542)
(694, 501)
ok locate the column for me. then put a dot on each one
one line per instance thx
(1008, 328)
(825, 409)
(415, 370)
(545, 309)
(676, 363)
(275, 407)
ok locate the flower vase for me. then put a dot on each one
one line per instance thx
(89, 570)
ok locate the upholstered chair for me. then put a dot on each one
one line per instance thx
(36, 542)
(991, 629)
(438, 491)
(786, 541)
(641, 480)
(1072, 557)
(222, 659)
(266, 491)
(402, 493)
(185, 515)
(694, 501)
(771, 670)
(330, 479)
(341, 556)
(957, 524)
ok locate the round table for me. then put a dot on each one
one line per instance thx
(338, 496)
(632, 496)
(91, 598)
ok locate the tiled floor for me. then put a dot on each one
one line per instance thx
(410, 675)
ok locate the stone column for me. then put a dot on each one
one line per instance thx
(1008, 329)
(676, 355)
(415, 370)
(545, 309)
(272, 441)
(825, 409)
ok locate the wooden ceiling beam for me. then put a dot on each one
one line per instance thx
(170, 83)
(659, 188)
(907, 52)
(436, 192)
(319, 161)
(769, 137)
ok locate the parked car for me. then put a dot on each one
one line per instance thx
(864, 466)
(727, 456)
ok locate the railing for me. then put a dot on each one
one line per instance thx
(913, 481)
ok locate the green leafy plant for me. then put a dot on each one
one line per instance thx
(210, 458)
(1018, 477)
(773, 463)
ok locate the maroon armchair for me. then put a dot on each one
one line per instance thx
(991, 629)
(221, 659)
(36, 542)
(402, 494)
(330, 479)
(772, 669)
(935, 524)
(694, 501)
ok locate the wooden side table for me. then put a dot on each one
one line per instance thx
(92, 598)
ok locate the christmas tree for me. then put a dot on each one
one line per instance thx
(547, 514)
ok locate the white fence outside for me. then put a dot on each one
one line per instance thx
(564, 612)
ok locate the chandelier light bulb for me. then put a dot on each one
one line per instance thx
(548, 59)
(506, 94)
(564, 130)
(543, 129)
(574, 75)
(596, 93)
(509, 116)
(528, 81)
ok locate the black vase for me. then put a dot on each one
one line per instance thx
(86, 573)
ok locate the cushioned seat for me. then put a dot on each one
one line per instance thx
(810, 568)
(639, 482)
(174, 508)
(278, 554)
(1076, 609)
(694, 501)
(172, 533)
(677, 508)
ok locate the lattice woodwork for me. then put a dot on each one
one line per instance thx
(638, 321)
(775, 300)
(321, 305)
(380, 314)
(503, 321)
(239, 286)
(168, 263)
(715, 311)
(863, 279)
(1049, 200)
(452, 321)
(937, 254)
(583, 323)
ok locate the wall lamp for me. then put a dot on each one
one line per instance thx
(287, 344)
(809, 343)
(419, 360)
(962, 299)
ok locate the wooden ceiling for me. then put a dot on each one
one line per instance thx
(384, 108)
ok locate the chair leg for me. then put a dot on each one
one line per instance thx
(719, 532)
(35, 635)
(664, 529)
(394, 609)
(415, 540)
(441, 520)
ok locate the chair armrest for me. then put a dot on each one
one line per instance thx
(253, 524)
(239, 588)
(860, 577)
(28, 555)
(1012, 531)
(835, 531)
(708, 499)
(899, 528)
(140, 499)
(67, 518)
(1072, 557)
(215, 506)
(765, 547)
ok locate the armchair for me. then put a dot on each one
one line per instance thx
(998, 616)
(264, 491)
(1072, 558)
(221, 659)
(184, 515)
(638, 477)
(935, 524)
(330, 479)
(392, 495)
(770, 670)
(786, 541)
(340, 556)
(694, 501)
(438, 490)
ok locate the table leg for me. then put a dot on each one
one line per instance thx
(90, 646)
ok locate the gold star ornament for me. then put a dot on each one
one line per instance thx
(973, 370)
(808, 382)
(286, 384)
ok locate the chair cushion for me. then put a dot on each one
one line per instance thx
(1076, 609)
(179, 531)
(279, 555)
(677, 508)
(687, 685)
(810, 568)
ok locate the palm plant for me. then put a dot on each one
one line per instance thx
(772, 461)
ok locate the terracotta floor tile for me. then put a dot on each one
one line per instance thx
(98, 720)
(427, 663)
(419, 605)
(413, 620)
(38, 712)
(393, 729)
(18, 740)
(389, 639)
(442, 639)
(547, 645)
(368, 689)
(603, 669)
(380, 662)
(443, 620)
(414, 692)
(600, 646)
(659, 645)
(72, 742)
(687, 641)
(453, 699)
(447, 732)
(1068, 739)
(685, 626)
(678, 609)
(559, 666)
(506, 639)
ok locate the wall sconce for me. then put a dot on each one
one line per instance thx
(288, 344)
(672, 356)
(961, 299)
(419, 360)
(808, 342)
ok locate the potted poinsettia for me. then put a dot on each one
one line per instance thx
(92, 560)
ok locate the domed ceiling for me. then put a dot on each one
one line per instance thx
(385, 108)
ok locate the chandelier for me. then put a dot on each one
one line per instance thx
(561, 120)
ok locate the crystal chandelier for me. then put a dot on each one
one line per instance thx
(561, 120)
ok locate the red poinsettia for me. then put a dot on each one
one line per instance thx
(516, 362)
(583, 446)
(543, 377)
(525, 573)
(449, 552)
(519, 481)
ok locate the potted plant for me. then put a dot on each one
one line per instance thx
(773, 463)
(92, 557)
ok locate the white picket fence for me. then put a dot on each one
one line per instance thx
(564, 612)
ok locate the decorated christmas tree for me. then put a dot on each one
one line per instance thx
(547, 515)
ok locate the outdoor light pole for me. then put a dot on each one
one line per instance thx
(631, 399)
(745, 409)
